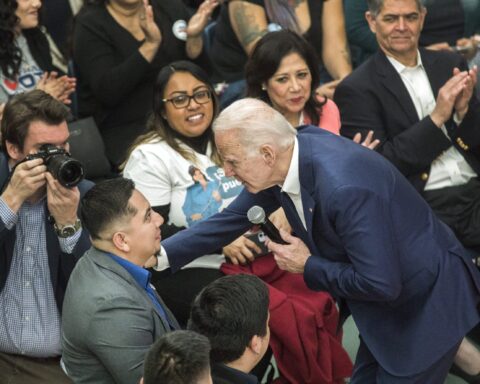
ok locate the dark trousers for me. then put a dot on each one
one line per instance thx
(368, 371)
(459, 208)
(16, 369)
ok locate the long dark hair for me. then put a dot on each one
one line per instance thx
(158, 126)
(10, 54)
(266, 57)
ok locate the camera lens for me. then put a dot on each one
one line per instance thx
(68, 171)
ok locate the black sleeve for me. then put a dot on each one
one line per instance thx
(105, 66)
(167, 229)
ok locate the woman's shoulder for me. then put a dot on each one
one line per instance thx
(329, 115)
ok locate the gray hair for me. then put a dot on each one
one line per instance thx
(375, 6)
(257, 124)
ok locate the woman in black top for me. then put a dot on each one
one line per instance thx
(118, 49)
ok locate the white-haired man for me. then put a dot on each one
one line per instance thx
(361, 232)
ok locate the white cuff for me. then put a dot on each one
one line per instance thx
(162, 260)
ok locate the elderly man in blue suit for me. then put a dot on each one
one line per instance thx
(362, 233)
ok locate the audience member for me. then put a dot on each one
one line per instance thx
(421, 106)
(178, 357)
(25, 61)
(445, 27)
(233, 313)
(337, 196)
(40, 240)
(180, 139)
(242, 23)
(119, 47)
(112, 315)
(283, 72)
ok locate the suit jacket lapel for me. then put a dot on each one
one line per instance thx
(107, 262)
(307, 189)
(393, 83)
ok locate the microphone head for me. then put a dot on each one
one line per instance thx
(256, 215)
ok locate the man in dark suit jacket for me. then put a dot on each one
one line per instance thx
(422, 107)
(364, 235)
(111, 313)
(41, 239)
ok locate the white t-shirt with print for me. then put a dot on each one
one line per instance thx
(162, 175)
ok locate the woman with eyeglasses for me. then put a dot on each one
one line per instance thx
(118, 48)
(167, 164)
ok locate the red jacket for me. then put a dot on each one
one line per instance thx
(303, 326)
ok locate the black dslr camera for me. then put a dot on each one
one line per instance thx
(68, 171)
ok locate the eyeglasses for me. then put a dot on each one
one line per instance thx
(183, 101)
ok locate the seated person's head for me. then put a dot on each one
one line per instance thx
(283, 71)
(184, 106)
(179, 357)
(121, 221)
(233, 313)
(31, 119)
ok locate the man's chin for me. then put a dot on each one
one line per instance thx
(251, 189)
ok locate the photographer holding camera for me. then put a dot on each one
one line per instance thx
(40, 235)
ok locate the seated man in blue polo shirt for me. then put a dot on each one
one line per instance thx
(111, 313)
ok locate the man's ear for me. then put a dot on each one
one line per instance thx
(120, 241)
(268, 154)
(14, 152)
(256, 344)
(371, 21)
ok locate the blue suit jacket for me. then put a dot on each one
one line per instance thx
(60, 264)
(375, 243)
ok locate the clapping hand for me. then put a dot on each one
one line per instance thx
(199, 20)
(148, 25)
(368, 142)
(58, 87)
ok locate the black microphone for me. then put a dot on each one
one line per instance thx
(256, 215)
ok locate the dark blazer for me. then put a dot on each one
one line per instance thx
(375, 243)
(373, 97)
(109, 323)
(60, 264)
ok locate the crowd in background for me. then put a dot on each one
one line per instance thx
(154, 75)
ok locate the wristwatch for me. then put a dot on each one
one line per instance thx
(67, 230)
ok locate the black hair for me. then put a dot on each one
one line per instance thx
(10, 54)
(230, 311)
(265, 60)
(178, 357)
(105, 203)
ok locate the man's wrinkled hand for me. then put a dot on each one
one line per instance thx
(290, 257)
